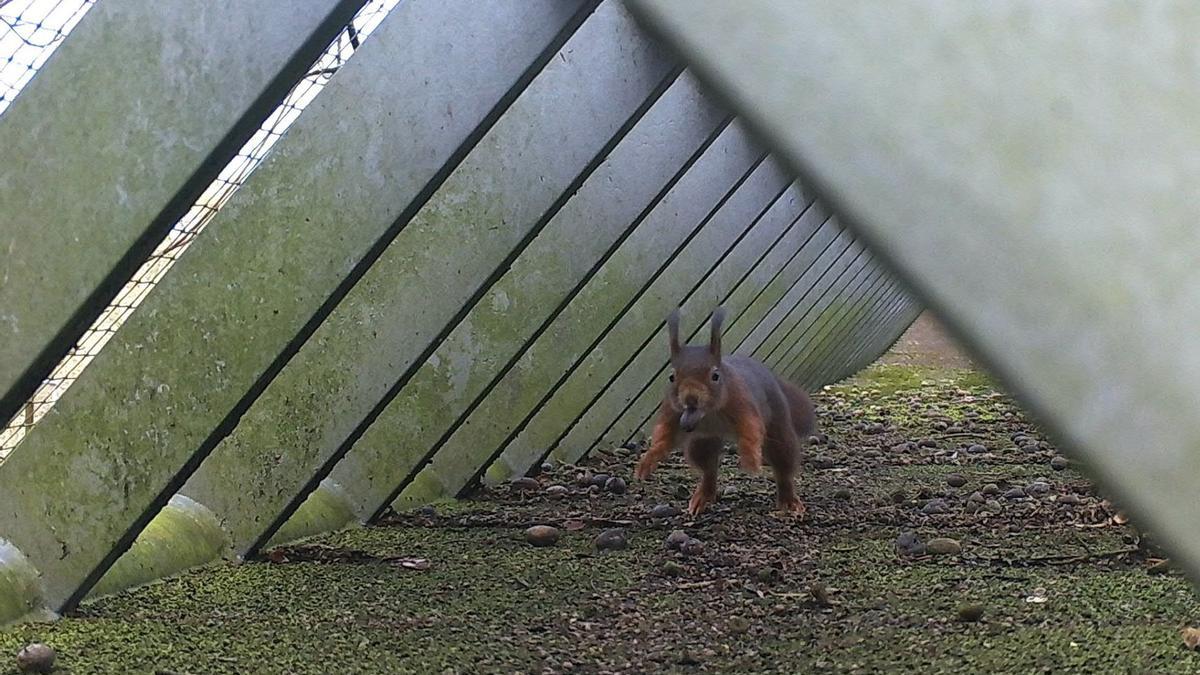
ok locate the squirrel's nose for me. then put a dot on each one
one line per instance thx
(690, 401)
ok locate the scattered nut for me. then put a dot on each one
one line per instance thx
(943, 546)
(676, 540)
(611, 540)
(542, 535)
(615, 485)
(820, 595)
(664, 511)
(525, 484)
(692, 547)
(970, 613)
(36, 658)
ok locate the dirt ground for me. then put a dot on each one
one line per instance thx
(926, 344)
(1041, 574)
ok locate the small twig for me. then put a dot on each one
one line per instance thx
(695, 584)
(1066, 560)
(1060, 559)
(608, 522)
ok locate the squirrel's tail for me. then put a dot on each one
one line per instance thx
(804, 414)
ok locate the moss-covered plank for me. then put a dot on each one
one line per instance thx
(177, 376)
(834, 257)
(819, 312)
(509, 188)
(753, 300)
(654, 271)
(903, 317)
(616, 197)
(619, 349)
(325, 509)
(781, 264)
(113, 141)
(835, 334)
(885, 328)
(807, 337)
(844, 270)
(398, 448)
(20, 588)
(184, 534)
(852, 332)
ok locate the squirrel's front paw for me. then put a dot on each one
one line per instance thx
(643, 470)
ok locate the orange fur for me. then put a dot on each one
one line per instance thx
(662, 441)
(740, 408)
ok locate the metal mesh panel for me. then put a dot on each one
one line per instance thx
(188, 227)
(30, 31)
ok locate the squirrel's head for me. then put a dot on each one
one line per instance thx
(697, 384)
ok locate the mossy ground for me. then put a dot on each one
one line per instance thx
(1064, 587)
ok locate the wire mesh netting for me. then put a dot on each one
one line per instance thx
(18, 13)
(30, 31)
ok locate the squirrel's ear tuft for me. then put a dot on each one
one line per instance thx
(714, 342)
(673, 331)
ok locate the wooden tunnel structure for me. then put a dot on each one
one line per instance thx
(457, 262)
(454, 266)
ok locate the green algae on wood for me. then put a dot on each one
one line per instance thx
(183, 535)
(643, 279)
(372, 166)
(20, 588)
(662, 229)
(325, 509)
(78, 197)
(446, 256)
(611, 201)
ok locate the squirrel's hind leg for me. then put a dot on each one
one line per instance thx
(784, 454)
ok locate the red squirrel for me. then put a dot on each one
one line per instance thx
(710, 400)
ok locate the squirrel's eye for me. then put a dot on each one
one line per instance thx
(671, 377)
(716, 376)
